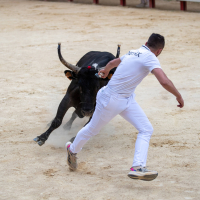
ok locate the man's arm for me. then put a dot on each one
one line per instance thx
(112, 64)
(168, 85)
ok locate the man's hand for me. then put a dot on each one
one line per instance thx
(103, 73)
(180, 101)
(168, 85)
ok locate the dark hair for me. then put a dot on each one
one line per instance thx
(156, 41)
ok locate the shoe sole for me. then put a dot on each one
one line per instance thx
(143, 178)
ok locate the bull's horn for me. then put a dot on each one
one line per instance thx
(68, 65)
(118, 50)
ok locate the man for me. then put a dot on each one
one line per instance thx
(143, 4)
(118, 98)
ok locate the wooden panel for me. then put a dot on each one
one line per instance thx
(152, 4)
(96, 1)
(123, 2)
(183, 5)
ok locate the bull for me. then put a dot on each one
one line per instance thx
(82, 91)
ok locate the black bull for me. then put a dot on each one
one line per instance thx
(82, 91)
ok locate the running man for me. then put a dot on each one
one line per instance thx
(118, 98)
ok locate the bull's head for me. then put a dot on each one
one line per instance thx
(88, 84)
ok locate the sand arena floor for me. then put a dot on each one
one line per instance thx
(33, 83)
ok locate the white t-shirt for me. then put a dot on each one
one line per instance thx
(135, 66)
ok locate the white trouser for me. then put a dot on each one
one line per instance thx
(108, 105)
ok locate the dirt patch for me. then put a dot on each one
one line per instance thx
(33, 83)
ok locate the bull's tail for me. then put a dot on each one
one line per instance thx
(118, 51)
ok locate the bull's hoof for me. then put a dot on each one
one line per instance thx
(39, 141)
(72, 139)
(36, 139)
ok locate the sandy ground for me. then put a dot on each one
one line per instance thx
(33, 83)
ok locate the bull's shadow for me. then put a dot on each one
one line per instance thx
(82, 91)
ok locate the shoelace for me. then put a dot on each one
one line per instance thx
(142, 169)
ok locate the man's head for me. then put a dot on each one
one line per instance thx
(156, 43)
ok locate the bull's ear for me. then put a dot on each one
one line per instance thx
(110, 75)
(70, 75)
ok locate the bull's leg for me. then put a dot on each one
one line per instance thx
(49, 124)
(72, 139)
(88, 121)
(62, 109)
(68, 125)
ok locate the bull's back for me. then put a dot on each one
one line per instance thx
(95, 57)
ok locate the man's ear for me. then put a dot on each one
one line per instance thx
(159, 51)
(70, 75)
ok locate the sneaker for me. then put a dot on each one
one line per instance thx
(71, 157)
(142, 173)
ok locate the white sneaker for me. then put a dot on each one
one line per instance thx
(71, 158)
(142, 173)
